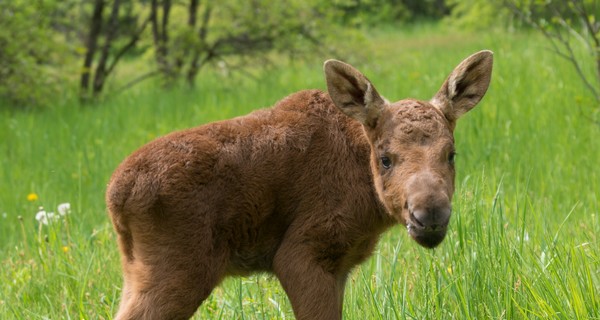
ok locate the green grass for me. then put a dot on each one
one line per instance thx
(524, 235)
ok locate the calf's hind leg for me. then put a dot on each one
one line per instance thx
(163, 298)
(169, 278)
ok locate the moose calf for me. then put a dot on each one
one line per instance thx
(302, 190)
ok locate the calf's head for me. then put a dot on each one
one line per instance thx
(412, 142)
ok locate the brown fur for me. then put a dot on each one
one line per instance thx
(300, 190)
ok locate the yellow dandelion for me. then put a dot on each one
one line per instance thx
(65, 249)
(32, 197)
(449, 270)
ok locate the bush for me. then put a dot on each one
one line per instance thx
(30, 53)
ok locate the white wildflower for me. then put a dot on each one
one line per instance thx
(64, 208)
(41, 216)
(44, 217)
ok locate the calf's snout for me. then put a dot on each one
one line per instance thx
(429, 209)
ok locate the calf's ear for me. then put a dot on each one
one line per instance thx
(353, 93)
(465, 86)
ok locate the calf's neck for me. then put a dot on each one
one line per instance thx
(302, 190)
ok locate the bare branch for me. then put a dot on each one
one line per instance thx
(132, 42)
(137, 80)
(571, 58)
(561, 45)
(591, 29)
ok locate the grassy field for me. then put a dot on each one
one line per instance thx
(524, 234)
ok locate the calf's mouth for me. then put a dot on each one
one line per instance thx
(427, 237)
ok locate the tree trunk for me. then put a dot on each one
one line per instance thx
(111, 31)
(192, 13)
(195, 64)
(161, 37)
(91, 46)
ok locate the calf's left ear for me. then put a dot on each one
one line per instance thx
(465, 86)
(353, 93)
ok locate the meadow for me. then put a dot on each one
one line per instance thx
(523, 241)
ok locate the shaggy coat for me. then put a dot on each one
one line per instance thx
(302, 190)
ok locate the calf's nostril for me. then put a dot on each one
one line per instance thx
(433, 219)
(416, 220)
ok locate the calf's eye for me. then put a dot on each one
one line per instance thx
(451, 157)
(386, 162)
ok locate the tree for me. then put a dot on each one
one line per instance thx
(41, 40)
(107, 56)
(187, 37)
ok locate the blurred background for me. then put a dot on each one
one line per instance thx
(95, 49)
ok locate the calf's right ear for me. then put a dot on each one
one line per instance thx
(465, 86)
(353, 93)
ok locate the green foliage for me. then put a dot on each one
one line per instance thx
(381, 12)
(552, 10)
(476, 14)
(370, 12)
(31, 54)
